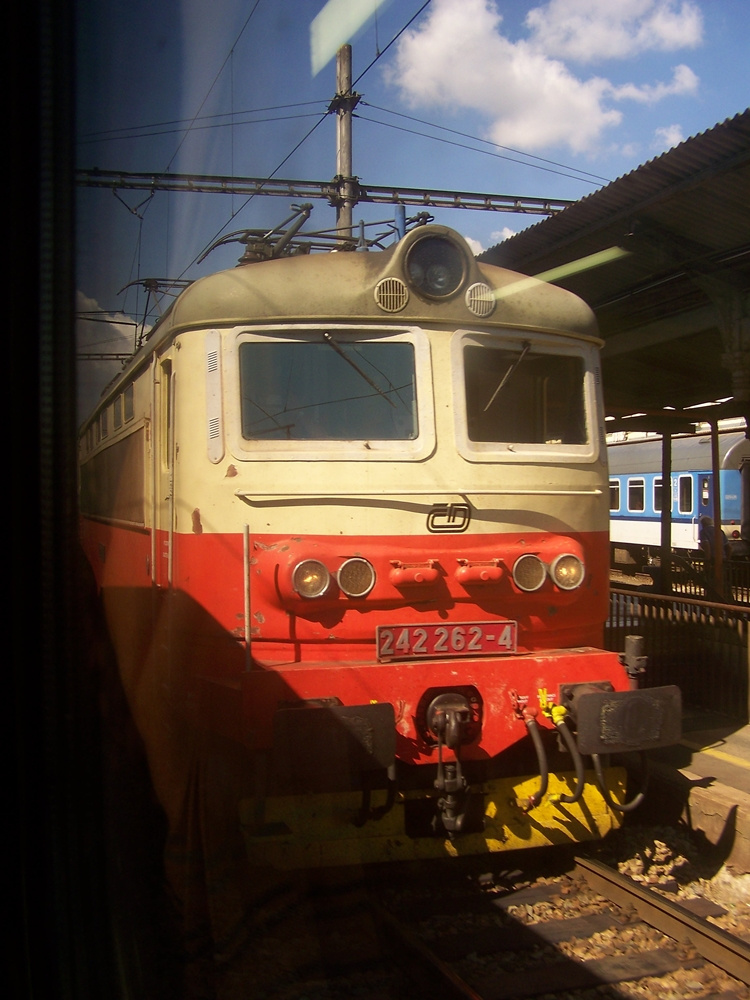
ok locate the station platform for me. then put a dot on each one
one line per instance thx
(707, 777)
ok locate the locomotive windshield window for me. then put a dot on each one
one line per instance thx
(520, 395)
(329, 389)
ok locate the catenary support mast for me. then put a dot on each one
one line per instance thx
(343, 104)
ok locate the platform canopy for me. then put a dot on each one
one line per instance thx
(672, 296)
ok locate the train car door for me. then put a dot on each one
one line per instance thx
(163, 472)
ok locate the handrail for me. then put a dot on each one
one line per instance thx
(682, 599)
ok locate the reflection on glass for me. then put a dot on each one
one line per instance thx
(541, 400)
(332, 390)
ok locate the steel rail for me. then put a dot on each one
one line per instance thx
(450, 982)
(728, 952)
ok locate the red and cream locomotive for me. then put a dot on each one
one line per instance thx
(348, 515)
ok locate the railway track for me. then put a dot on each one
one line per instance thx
(588, 931)
(579, 931)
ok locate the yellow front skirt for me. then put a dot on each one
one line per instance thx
(317, 830)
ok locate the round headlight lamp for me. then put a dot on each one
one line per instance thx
(435, 266)
(567, 571)
(529, 572)
(356, 577)
(311, 578)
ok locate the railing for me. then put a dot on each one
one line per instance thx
(695, 577)
(698, 645)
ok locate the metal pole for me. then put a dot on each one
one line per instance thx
(344, 137)
(718, 539)
(665, 551)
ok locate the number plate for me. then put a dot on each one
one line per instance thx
(400, 642)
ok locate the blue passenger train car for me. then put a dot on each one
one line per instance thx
(636, 493)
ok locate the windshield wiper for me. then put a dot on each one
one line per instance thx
(524, 351)
(329, 340)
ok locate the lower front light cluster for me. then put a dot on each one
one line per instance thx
(566, 571)
(355, 577)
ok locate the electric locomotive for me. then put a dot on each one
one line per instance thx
(348, 515)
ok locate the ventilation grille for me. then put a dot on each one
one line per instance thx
(214, 402)
(391, 294)
(479, 299)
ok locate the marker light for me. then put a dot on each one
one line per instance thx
(310, 578)
(435, 266)
(356, 577)
(567, 571)
(529, 572)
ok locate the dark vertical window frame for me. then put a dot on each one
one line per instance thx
(53, 901)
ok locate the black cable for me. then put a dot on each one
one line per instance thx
(395, 37)
(462, 145)
(255, 193)
(107, 137)
(488, 142)
(221, 70)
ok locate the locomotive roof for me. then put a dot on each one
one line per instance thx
(339, 286)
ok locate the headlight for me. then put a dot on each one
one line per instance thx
(311, 578)
(529, 572)
(356, 577)
(435, 266)
(567, 571)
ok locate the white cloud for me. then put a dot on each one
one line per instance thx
(459, 58)
(667, 137)
(503, 234)
(684, 81)
(474, 245)
(590, 31)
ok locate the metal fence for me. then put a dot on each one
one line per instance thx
(700, 646)
(696, 577)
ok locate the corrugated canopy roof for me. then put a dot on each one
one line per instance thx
(674, 310)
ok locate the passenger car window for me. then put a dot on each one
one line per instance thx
(636, 494)
(614, 495)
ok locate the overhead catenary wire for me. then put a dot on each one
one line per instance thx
(192, 125)
(488, 142)
(213, 84)
(317, 124)
(483, 152)
(197, 113)
(255, 193)
(567, 171)
(382, 52)
(197, 121)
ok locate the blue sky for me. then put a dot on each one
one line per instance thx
(547, 99)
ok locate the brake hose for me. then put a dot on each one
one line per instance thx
(625, 806)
